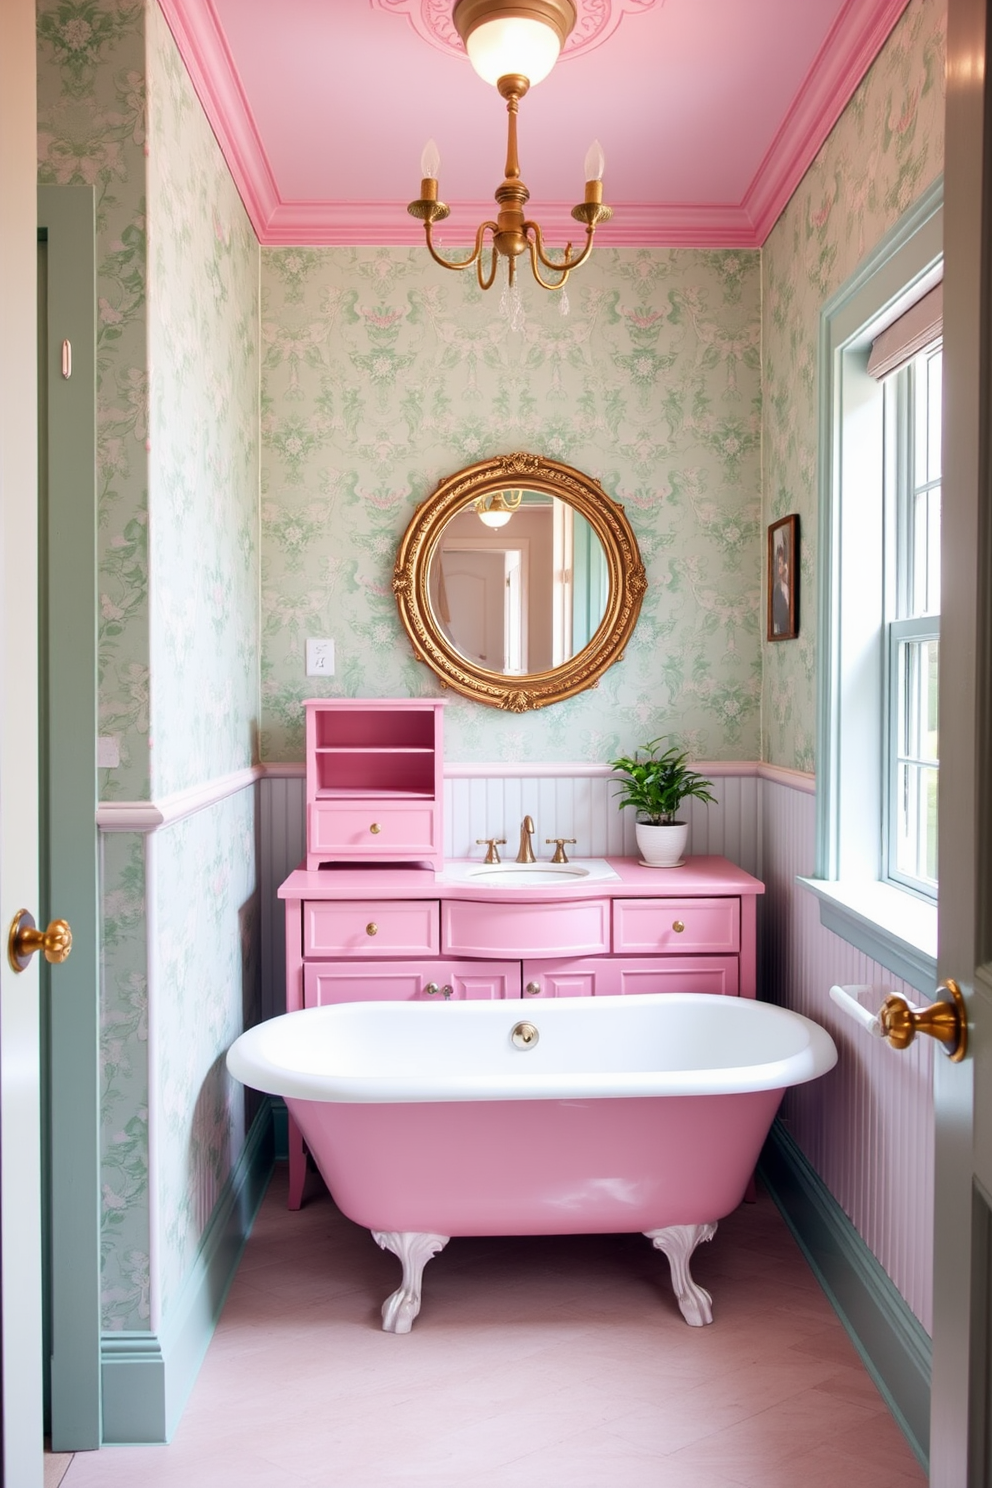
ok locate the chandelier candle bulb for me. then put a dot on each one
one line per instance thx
(595, 163)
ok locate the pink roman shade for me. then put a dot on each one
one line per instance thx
(916, 328)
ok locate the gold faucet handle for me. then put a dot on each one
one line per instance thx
(560, 855)
(493, 844)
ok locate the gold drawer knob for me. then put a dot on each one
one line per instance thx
(375, 829)
(678, 926)
(532, 989)
(371, 928)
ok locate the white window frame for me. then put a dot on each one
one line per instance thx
(888, 923)
(902, 486)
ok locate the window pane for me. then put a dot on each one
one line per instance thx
(917, 754)
(916, 825)
(924, 592)
(934, 366)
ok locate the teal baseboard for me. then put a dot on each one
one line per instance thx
(147, 1377)
(280, 1128)
(893, 1344)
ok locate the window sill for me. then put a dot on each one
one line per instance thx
(894, 928)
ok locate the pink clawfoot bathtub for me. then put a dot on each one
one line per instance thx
(592, 1115)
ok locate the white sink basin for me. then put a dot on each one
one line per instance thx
(528, 875)
(519, 875)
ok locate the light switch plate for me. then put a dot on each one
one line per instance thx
(320, 658)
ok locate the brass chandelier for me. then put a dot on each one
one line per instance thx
(513, 46)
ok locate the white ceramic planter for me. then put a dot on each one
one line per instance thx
(661, 847)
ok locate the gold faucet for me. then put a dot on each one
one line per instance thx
(526, 853)
(493, 845)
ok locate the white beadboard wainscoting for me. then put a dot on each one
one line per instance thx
(491, 801)
(866, 1128)
(850, 1159)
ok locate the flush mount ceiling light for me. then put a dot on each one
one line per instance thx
(513, 47)
(497, 509)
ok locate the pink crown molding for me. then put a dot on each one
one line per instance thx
(596, 21)
(842, 61)
(200, 38)
(385, 223)
(848, 51)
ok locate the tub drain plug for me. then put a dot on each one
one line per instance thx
(524, 1036)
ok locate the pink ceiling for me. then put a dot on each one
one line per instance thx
(709, 112)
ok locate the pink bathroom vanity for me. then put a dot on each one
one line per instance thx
(359, 932)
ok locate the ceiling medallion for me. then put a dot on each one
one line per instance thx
(596, 21)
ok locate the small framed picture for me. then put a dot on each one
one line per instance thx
(783, 579)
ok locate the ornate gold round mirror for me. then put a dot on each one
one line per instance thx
(519, 581)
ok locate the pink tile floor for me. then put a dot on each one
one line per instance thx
(553, 1362)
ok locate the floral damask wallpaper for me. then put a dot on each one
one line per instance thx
(203, 472)
(381, 374)
(205, 1001)
(125, 1226)
(885, 149)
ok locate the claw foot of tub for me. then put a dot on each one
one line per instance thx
(678, 1243)
(414, 1250)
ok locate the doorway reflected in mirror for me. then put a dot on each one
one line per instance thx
(524, 597)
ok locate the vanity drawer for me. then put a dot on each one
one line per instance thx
(676, 926)
(372, 829)
(371, 927)
(628, 975)
(350, 981)
(488, 929)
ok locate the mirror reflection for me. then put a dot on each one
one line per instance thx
(518, 582)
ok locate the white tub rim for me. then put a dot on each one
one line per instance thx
(250, 1058)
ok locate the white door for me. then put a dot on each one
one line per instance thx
(960, 1418)
(20, 1186)
(475, 585)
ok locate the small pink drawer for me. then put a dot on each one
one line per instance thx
(676, 926)
(527, 929)
(619, 976)
(372, 829)
(371, 927)
(464, 981)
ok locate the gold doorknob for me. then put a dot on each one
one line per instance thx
(946, 1020)
(24, 939)
(678, 926)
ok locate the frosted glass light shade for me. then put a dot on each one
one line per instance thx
(495, 518)
(513, 44)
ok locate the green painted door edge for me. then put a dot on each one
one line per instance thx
(67, 215)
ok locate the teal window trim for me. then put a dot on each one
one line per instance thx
(851, 660)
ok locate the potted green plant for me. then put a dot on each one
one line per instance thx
(656, 784)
